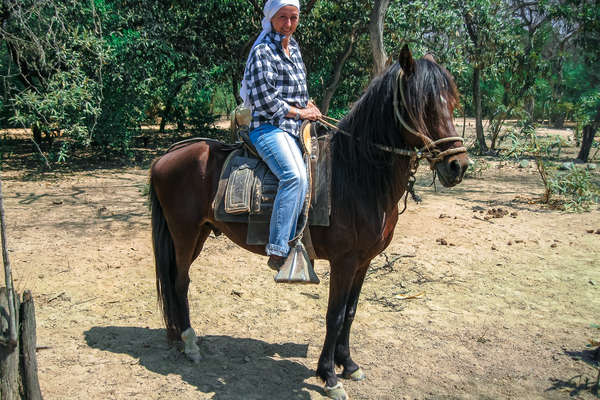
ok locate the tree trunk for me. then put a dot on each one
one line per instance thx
(478, 111)
(376, 35)
(235, 88)
(37, 134)
(589, 131)
(163, 119)
(18, 364)
(11, 307)
(557, 117)
(337, 72)
(169, 104)
(530, 108)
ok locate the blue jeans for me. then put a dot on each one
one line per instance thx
(281, 152)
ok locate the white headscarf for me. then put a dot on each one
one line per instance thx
(271, 8)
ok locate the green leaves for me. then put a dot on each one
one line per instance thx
(97, 70)
(578, 189)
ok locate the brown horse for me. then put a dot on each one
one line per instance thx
(408, 107)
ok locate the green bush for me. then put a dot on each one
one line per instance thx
(478, 168)
(577, 188)
(193, 105)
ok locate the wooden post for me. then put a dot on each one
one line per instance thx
(31, 384)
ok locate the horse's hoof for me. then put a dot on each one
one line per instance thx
(194, 357)
(336, 392)
(357, 375)
(191, 349)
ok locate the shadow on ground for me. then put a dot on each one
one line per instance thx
(231, 368)
(18, 153)
(579, 384)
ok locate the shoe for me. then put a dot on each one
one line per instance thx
(275, 262)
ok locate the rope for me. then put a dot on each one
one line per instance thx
(399, 88)
(389, 149)
(429, 151)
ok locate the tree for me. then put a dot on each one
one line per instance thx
(96, 71)
(53, 72)
(589, 132)
(491, 39)
(328, 38)
(376, 22)
(586, 14)
(337, 70)
(517, 74)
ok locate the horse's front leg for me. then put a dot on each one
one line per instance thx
(342, 276)
(342, 348)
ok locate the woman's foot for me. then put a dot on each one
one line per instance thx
(275, 262)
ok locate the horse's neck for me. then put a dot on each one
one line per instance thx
(401, 182)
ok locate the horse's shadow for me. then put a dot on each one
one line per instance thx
(231, 368)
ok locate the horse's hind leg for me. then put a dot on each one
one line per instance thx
(342, 348)
(185, 253)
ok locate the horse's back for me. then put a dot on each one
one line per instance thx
(201, 156)
(186, 178)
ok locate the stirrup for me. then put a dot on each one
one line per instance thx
(297, 267)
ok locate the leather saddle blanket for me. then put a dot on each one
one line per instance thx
(247, 188)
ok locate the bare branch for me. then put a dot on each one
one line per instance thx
(337, 72)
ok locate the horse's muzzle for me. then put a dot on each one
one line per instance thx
(451, 170)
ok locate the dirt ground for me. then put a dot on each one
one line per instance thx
(467, 302)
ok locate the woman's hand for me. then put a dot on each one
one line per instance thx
(311, 112)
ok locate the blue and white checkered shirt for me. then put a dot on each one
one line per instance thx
(276, 82)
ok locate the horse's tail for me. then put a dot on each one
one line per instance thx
(165, 264)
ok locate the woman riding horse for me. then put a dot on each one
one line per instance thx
(275, 89)
(405, 115)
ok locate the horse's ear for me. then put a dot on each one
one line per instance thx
(429, 57)
(406, 60)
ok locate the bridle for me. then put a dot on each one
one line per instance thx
(429, 151)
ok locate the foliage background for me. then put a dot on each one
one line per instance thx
(95, 71)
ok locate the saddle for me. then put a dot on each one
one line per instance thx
(247, 188)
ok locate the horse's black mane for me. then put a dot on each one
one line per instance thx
(365, 173)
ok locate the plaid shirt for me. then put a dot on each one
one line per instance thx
(275, 83)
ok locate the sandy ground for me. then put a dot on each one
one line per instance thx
(502, 307)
